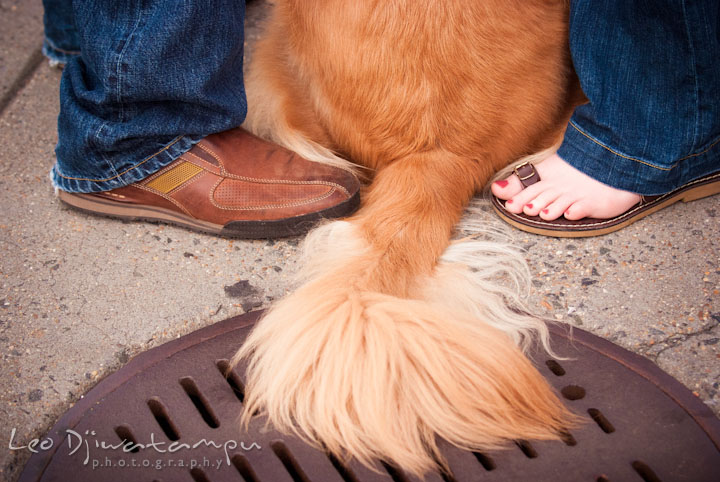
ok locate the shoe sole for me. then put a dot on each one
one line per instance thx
(280, 228)
(701, 188)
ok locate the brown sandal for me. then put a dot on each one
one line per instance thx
(586, 227)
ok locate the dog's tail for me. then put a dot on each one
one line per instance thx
(397, 337)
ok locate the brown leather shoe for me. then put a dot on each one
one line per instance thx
(232, 184)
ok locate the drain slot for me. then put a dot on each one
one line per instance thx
(555, 367)
(600, 419)
(198, 475)
(485, 460)
(573, 392)
(242, 465)
(123, 431)
(344, 471)
(201, 403)
(238, 387)
(291, 465)
(645, 471)
(568, 438)
(160, 413)
(527, 449)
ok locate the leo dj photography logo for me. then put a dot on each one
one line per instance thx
(94, 451)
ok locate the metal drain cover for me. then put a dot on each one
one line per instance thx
(178, 414)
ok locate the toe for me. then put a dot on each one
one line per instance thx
(517, 203)
(540, 202)
(613, 204)
(579, 210)
(506, 188)
(556, 208)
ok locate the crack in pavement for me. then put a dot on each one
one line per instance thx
(674, 340)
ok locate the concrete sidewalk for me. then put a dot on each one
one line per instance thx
(80, 295)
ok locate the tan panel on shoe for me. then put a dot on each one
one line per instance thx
(175, 177)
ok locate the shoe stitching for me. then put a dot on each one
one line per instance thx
(166, 197)
(174, 141)
(217, 158)
(270, 181)
(159, 173)
(616, 218)
(190, 181)
(198, 176)
(271, 206)
(281, 206)
(287, 181)
(200, 162)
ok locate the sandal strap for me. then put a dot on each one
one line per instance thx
(527, 174)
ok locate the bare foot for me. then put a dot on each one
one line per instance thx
(563, 191)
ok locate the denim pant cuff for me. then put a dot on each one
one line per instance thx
(56, 55)
(142, 169)
(610, 166)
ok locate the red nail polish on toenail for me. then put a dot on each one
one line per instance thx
(509, 201)
(528, 205)
(502, 183)
(546, 211)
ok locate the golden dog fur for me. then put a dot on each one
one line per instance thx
(393, 341)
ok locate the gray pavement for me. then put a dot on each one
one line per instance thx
(80, 295)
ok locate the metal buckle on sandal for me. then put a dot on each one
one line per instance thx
(517, 168)
(526, 173)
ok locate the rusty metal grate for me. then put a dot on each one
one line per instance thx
(642, 425)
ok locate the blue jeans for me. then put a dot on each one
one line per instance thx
(651, 70)
(154, 77)
(143, 81)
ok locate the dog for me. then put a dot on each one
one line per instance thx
(398, 336)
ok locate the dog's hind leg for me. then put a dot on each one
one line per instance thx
(367, 363)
